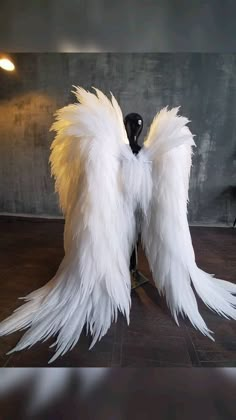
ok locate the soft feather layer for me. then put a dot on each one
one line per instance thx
(100, 185)
(165, 231)
(93, 281)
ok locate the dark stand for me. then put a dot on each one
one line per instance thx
(134, 125)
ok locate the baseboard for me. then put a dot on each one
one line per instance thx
(205, 224)
(47, 217)
(31, 217)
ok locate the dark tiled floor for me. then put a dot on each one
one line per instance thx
(30, 254)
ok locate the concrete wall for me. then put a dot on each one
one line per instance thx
(203, 84)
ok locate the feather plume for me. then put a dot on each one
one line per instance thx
(93, 281)
(165, 230)
(101, 184)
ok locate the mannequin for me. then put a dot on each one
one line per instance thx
(134, 124)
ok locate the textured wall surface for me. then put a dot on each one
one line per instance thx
(203, 84)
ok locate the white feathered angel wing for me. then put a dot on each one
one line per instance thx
(93, 280)
(165, 231)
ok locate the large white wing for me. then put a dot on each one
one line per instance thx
(93, 280)
(165, 231)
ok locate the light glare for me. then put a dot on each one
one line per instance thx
(6, 64)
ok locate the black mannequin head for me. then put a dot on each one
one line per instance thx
(133, 125)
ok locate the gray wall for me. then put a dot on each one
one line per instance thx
(203, 84)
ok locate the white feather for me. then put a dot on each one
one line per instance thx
(93, 281)
(101, 184)
(165, 231)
